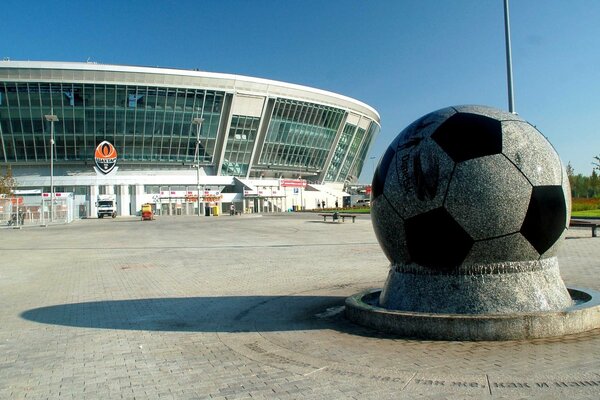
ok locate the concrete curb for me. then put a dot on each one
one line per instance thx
(583, 316)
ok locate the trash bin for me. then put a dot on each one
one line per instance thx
(215, 211)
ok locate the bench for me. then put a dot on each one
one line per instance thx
(574, 223)
(342, 216)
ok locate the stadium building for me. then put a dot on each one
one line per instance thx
(181, 140)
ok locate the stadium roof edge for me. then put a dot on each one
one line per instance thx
(91, 66)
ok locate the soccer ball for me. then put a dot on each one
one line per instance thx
(469, 185)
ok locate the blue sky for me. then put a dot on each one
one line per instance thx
(405, 58)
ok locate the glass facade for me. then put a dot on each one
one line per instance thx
(300, 135)
(144, 123)
(149, 121)
(357, 140)
(359, 159)
(340, 152)
(350, 153)
(240, 143)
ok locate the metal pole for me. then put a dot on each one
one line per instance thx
(51, 171)
(198, 123)
(373, 164)
(52, 119)
(511, 98)
(198, 189)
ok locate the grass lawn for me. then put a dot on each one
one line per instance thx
(354, 210)
(357, 210)
(586, 214)
(366, 210)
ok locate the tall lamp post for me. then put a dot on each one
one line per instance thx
(198, 122)
(372, 164)
(52, 119)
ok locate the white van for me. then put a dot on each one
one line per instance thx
(364, 203)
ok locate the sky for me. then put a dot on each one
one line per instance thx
(405, 58)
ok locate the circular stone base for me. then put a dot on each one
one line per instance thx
(500, 288)
(583, 315)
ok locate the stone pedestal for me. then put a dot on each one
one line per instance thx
(515, 287)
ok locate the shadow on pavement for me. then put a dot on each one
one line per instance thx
(201, 314)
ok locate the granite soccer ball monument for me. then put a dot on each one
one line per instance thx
(469, 204)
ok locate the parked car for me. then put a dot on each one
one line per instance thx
(364, 203)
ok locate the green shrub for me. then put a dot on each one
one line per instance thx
(583, 204)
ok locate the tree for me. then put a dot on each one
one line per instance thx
(596, 163)
(572, 178)
(579, 186)
(594, 185)
(570, 170)
(7, 182)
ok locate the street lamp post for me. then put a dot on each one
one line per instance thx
(372, 164)
(52, 119)
(198, 122)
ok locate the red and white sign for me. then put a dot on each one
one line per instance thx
(293, 183)
(59, 194)
(268, 192)
(16, 200)
(190, 196)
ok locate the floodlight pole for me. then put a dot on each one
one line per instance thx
(52, 119)
(511, 98)
(198, 122)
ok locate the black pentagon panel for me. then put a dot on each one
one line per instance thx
(422, 128)
(488, 111)
(465, 136)
(553, 250)
(546, 217)
(381, 172)
(428, 248)
(389, 230)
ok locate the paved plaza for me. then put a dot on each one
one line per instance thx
(246, 307)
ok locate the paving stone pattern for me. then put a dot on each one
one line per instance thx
(246, 307)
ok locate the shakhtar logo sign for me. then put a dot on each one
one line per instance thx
(105, 157)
